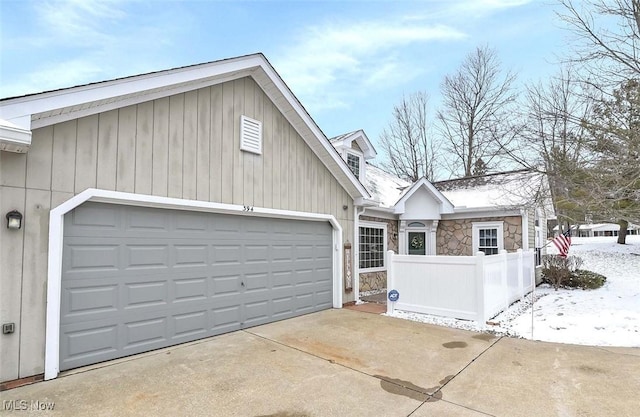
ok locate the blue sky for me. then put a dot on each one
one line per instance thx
(348, 62)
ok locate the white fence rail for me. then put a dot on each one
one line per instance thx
(465, 287)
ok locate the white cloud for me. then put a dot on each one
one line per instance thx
(464, 10)
(90, 41)
(79, 21)
(329, 59)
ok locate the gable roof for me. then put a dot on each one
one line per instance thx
(344, 141)
(20, 115)
(423, 183)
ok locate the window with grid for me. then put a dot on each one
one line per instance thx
(488, 241)
(353, 161)
(371, 247)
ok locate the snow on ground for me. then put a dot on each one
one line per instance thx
(608, 316)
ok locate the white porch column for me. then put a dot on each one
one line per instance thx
(432, 240)
(402, 237)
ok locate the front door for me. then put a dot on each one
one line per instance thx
(417, 243)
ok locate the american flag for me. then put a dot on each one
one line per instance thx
(562, 242)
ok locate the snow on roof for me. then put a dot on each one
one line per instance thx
(505, 189)
(384, 187)
(340, 137)
(606, 226)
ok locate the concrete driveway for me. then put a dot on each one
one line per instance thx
(343, 362)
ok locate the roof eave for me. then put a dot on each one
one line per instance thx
(44, 109)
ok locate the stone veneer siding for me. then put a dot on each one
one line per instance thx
(371, 281)
(454, 237)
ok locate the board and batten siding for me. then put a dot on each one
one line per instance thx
(183, 146)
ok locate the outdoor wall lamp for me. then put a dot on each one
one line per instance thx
(14, 220)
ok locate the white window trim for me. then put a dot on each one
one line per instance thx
(360, 156)
(476, 226)
(374, 225)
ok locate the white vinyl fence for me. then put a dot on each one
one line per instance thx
(464, 287)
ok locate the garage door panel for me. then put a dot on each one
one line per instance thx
(228, 254)
(140, 221)
(304, 302)
(225, 319)
(95, 300)
(146, 256)
(145, 332)
(191, 255)
(145, 294)
(89, 218)
(81, 346)
(190, 289)
(144, 278)
(254, 282)
(225, 225)
(192, 223)
(225, 285)
(191, 326)
(91, 257)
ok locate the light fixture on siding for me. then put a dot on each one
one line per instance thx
(14, 220)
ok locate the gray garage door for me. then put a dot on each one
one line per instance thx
(136, 279)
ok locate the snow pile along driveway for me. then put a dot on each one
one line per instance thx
(608, 316)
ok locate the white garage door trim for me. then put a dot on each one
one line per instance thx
(56, 229)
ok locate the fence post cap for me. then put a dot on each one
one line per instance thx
(480, 253)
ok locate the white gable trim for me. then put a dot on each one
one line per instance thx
(39, 110)
(344, 143)
(445, 205)
(56, 236)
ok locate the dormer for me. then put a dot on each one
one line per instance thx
(355, 148)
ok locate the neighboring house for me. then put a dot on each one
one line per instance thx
(605, 229)
(163, 208)
(456, 217)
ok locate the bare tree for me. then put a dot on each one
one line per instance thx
(553, 138)
(406, 141)
(606, 38)
(475, 111)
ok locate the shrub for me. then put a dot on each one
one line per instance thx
(566, 273)
(587, 280)
(557, 271)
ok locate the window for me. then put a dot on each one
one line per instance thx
(372, 246)
(353, 161)
(488, 237)
(488, 242)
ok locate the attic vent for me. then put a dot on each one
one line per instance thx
(250, 135)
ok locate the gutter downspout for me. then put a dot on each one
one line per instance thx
(525, 228)
(357, 211)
